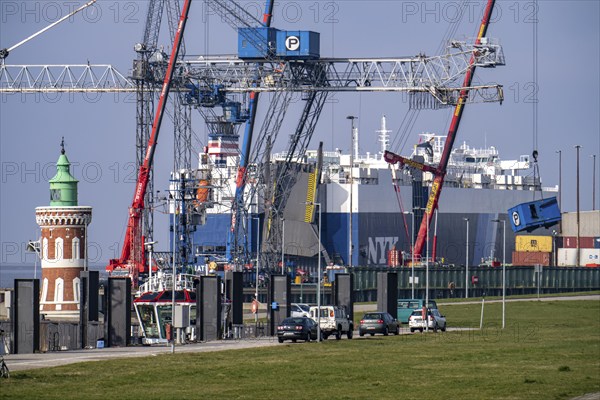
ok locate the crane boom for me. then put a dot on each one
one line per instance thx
(438, 182)
(132, 252)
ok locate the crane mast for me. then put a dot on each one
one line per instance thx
(440, 173)
(132, 253)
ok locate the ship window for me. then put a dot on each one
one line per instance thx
(148, 320)
(164, 317)
(469, 159)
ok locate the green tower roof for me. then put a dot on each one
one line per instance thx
(63, 187)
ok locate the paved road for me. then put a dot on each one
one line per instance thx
(19, 362)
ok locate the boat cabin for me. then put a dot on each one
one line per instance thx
(154, 311)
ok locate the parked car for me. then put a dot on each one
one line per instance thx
(299, 310)
(407, 306)
(434, 319)
(378, 322)
(295, 328)
(334, 321)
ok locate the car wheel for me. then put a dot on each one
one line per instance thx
(435, 327)
(412, 330)
(280, 340)
(294, 340)
(372, 334)
(307, 337)
(361, 333)
(338, 334)
(385, 331)
(421, 330)
(349, 333)
(397, 330)
(325, 336)
(444, 328)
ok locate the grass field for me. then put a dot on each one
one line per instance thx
(549, 350)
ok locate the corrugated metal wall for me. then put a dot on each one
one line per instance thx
(450, 282)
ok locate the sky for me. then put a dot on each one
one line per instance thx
(99, 131)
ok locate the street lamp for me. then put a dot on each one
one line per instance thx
(282, 246)
(318, 273)
(467, 261)
(503, 269)
(351, 118)
(257, 263)
(150, 246)
(412, 252)
(577, 147)
(33, 246)
(427, 278)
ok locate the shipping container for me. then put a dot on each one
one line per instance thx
(530, 258)
(590, 257)
(256, 43)
(589, 223)
(533, 243)
(570, 242)
(298, 44)
(567, 257)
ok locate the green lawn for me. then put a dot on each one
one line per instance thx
(549, 350)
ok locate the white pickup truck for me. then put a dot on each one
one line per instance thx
(334, 320)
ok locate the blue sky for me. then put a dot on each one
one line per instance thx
(99, 131)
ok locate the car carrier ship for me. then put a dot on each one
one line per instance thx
(479, 188)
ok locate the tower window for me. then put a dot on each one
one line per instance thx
(54, 194)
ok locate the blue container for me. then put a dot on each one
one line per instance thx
(301, 45)
(534, 214)
(256, 43)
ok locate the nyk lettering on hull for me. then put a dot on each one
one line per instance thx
(379, 247)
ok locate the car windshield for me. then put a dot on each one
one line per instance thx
(304, 307)
(372, 316)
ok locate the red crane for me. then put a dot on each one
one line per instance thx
(440, 171)
(132, 259)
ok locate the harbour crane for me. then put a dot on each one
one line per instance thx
(430, 82)
(131, 259)
(439, 172)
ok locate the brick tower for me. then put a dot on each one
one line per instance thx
(64, 243)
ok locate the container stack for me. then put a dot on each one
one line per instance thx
(532, 250)
(589, 240)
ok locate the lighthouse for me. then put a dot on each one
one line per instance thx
(63, 227)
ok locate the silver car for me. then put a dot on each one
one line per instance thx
(378, 322)
(434, 321)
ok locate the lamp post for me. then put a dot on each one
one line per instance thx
(319, 278)
(257, 263)
(427, 281)
(351, 118)
(594, 183)
(559, 176)
(412, 252)
(503, 270)
(577, 147)
(467, 261)
(150, 247)
(34, 247)
(282, 246)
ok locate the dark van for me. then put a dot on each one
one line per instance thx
(407, 306)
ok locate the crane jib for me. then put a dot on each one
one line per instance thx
(133, 245)
(438, 182)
